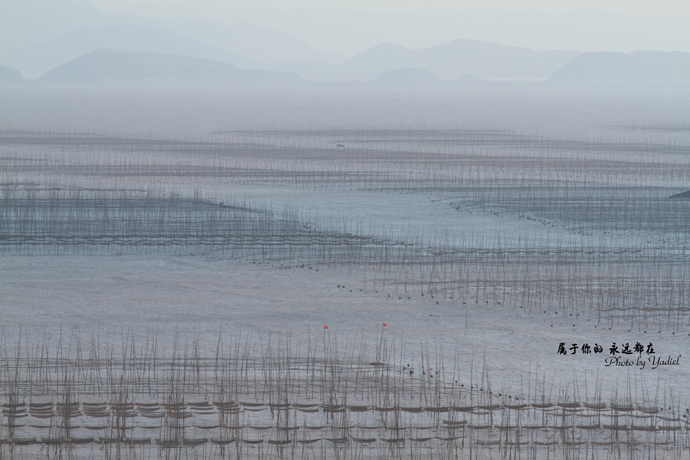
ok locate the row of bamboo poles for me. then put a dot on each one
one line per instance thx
(69, 398)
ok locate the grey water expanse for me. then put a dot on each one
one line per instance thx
(200, 111)
(173, 254)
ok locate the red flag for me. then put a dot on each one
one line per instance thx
(384, 324)
(325, 327)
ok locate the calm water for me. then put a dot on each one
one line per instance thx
(197, 111)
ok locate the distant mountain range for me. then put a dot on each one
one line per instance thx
(111, 66)
(37, 36)
(638, 67)
(458, 63)
(115, 66)
(35, 60)
(449, 61)
(8, 75)
(455, 58)
(195, 38)
(280, 52)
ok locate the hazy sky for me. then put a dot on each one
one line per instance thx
(343, 28)
(204, 7)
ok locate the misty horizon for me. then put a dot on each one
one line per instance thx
(335, 43)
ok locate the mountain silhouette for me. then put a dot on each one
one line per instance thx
(39, 58)
(8, 75)
(449, 61)
(111, 66)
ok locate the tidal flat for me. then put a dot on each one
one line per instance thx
(344, 273)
